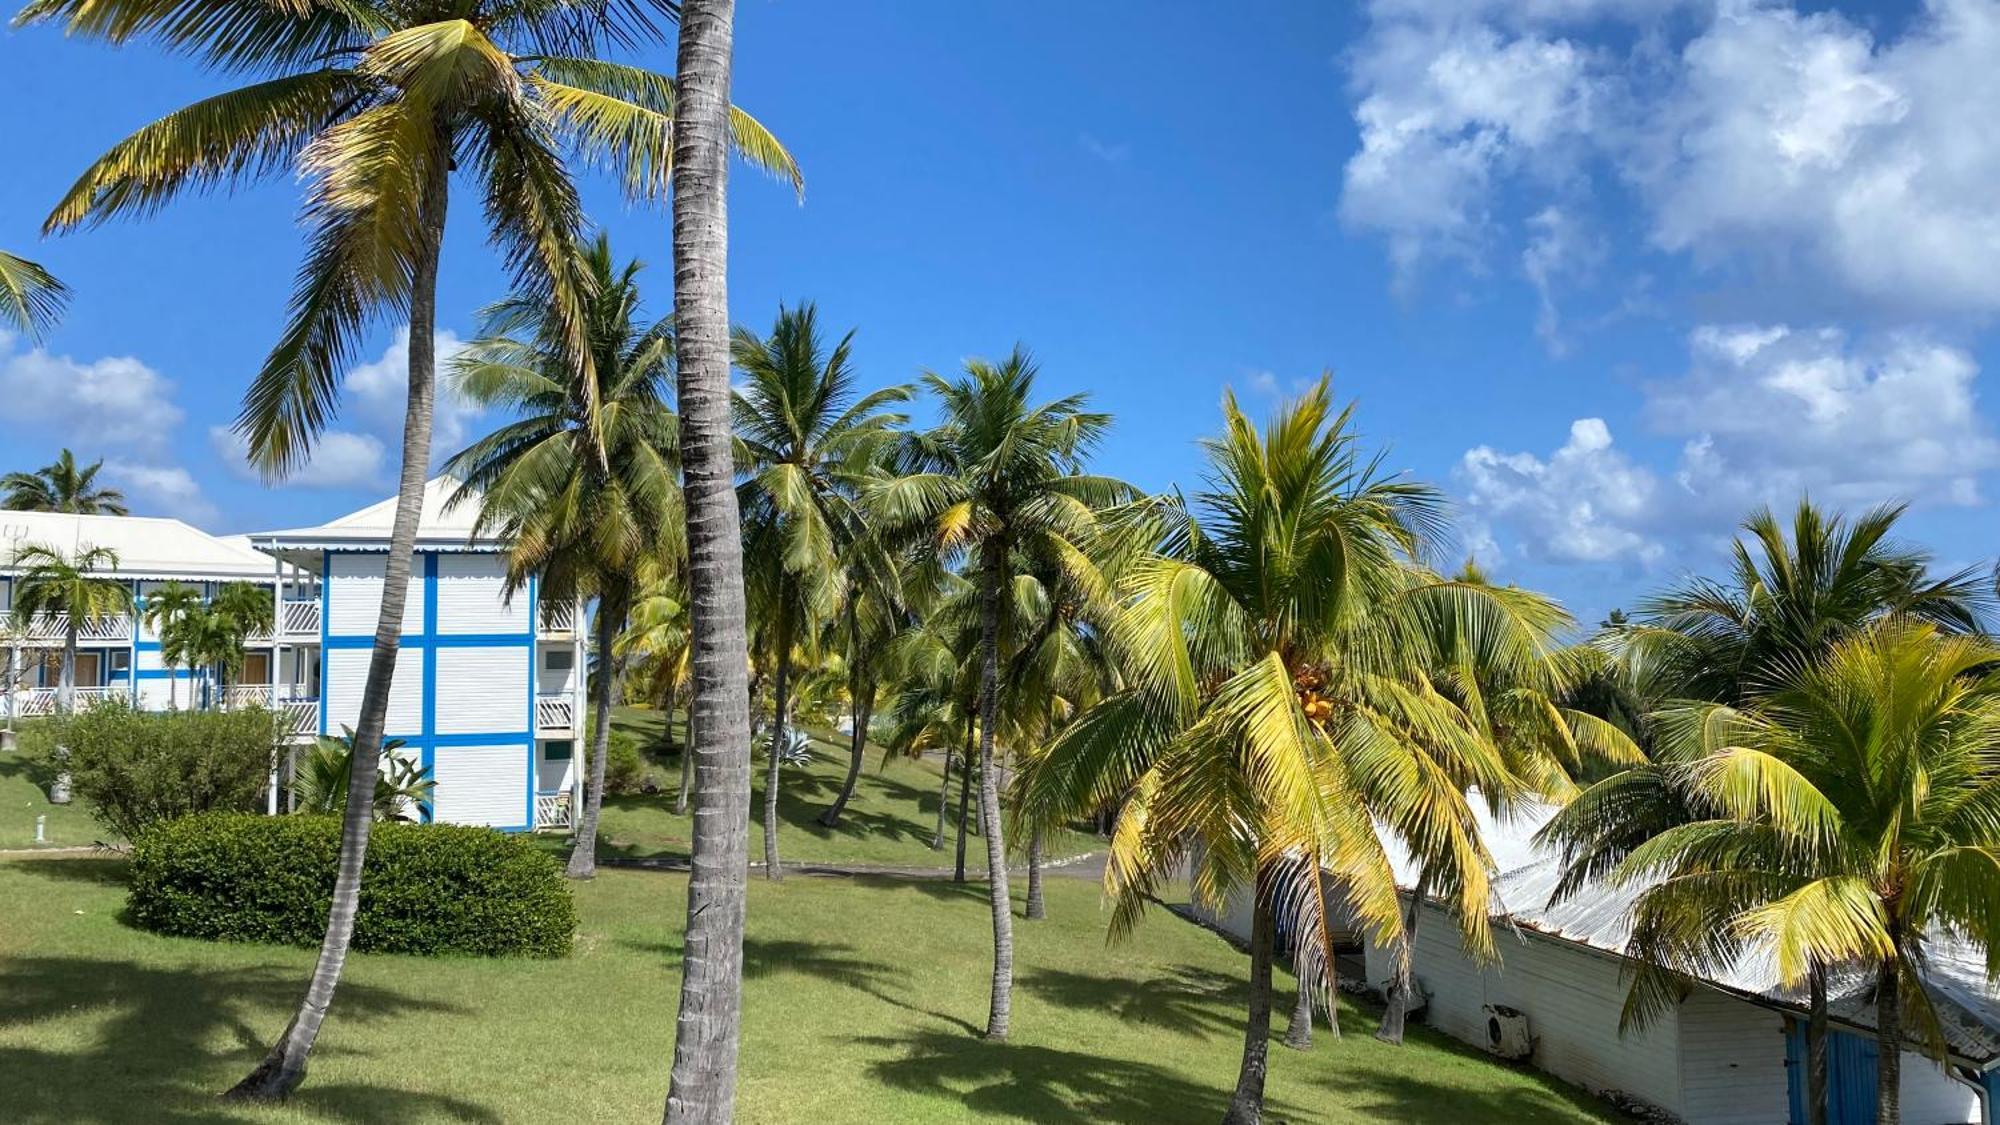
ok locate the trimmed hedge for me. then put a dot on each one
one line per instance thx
(426, 888)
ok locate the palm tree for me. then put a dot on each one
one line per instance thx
(1276, 647)
(403, 787)
(238, 612)
(703, 1089)
(167, 610)
(1787, 600)
(813, 445)
(1000, 473)
(73, 585)
(658, 640)
(376, 104)
(31, 299)
(62, 486)
(1850, 816)
(582, 521)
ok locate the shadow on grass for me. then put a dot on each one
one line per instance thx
(166, 1039)
(1045, 1084)
(1185, 1000)
(102, 871)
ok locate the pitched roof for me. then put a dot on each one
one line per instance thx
(441, 525)
(147, 546)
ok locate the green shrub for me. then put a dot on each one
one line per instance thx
(624, 766)
(132, 767)
(426, 888)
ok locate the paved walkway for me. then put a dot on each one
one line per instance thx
(1090, 865)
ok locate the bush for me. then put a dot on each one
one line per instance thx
(426, 888)
(133, 767)
(624, 766)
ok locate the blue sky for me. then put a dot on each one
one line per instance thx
(1610, 271)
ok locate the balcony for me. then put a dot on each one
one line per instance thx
(298, 621)
(37, 702)
(52, 628)
(557, 620)
(301, 712)
(555, 713)
(552, 811)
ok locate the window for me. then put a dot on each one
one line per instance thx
(559, 659)
(121, 660)
(558, 751)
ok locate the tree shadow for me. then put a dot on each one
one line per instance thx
(101, 871)
(1185, 1001)
(153, 1044)
(836, 964)
(1045, 1084)
(1384, 1095)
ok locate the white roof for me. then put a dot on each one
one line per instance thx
(1599, 916)
(440, 526)
(147, 546)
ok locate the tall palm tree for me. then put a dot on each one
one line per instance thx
(813, 444)
(239, 611)
(703, 1088)
(31, 299)
(582, 482)
(1279, 704)
(62, 486)
(869, 622)
(658, 640)
(1000, 473)
(167, 610)
(376, 104)
(1787, 600)
(1850, 816)
(73, 585)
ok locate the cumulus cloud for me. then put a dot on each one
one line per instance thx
(1757, 137)
(163, 489)
(113, 403)
(340, 459)
(1763, 414)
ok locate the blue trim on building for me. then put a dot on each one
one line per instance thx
(434, 640)
(325, 622)
(428, 755)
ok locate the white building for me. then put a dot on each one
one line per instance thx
(488, 688)
(1728, 1054)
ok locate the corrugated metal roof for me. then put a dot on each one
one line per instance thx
(1599, 916)
(147, 546)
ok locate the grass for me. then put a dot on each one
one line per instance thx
(22, 799)
(862, 998)
(889, 822)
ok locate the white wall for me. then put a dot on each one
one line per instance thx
(354, 587)
(471, 596)
(347, 673)
(1930, 1097)
(482, 690)
(552, 776)
(1732, 1061)
(483, 785)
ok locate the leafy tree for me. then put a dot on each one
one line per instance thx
(63, 486)
(1000, 473)
(1850, 814)
(1277, 653)
(657, 643)
(814, 445)
(31, 299)
(582, 481)
(376, 105)
(74, 587)
(403, 787)
(168, 609)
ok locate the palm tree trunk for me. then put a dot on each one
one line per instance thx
(687, 763)
(66, 683)
(1246, 1105)
(173, 689)
(989, 794)
(1036, 907)
(703, 1090)
(781, 698)
(1299, 1031)
(284, 1067)
(611, 610)
(857, 745)
(944, 802)
(1396, 1012)
(964, 801)
(1888, 1044)
(1816, 1065)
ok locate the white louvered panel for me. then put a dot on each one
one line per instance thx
(482, 690)
(347, 674)
(354, 595)
(472, 596)
(482, 785)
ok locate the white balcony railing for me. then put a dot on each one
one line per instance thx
(247, 695)
(299, 619)
(303, 713)
(552, 810)
(36, 702)
(55, 626)
(557, 617)
(555, 712)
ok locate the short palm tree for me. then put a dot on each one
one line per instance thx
(1276, 647)
(657, 643)
(376, 104)
(168, 609)
(1000, 473)
(62, 486)
(582, 522)
(31, 299)
(1848, 816)
(814, 445)
(74, 586)
(238, 612)
(403, 787)
(1788, 598)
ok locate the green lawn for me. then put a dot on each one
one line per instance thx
(22, 800)
(890, 820)
(862, 998)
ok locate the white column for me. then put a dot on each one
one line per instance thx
(579, 693)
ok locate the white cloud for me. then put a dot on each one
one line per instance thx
(1797, 146)
(340, 459)
(103, 406)
(166, 489)
(1763, 415)
(1561, 248)
(376, 394)
(1111, 152)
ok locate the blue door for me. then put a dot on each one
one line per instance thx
(1850, 1076)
